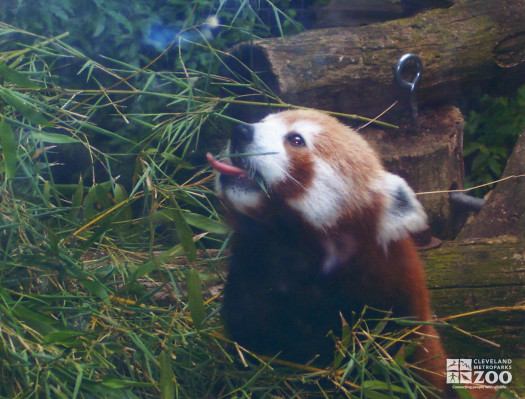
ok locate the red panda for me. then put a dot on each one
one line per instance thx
(321, 229)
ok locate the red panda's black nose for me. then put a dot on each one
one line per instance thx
(242, 135)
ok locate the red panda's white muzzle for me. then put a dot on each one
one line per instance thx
(239, 181)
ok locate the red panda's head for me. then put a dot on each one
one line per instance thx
(309, 164)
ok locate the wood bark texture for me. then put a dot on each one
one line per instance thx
(484, 277)
(473, 276)
(351, 69)
(357, 12)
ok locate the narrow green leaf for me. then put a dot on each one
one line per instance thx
(124, 214)
(53, 243)
(348, 368)
(345, 341)
(378, 329)
(206, 224)
(195, 300)
(146, 350)
(46, 192)
(120, 384)
(151, 265)
(9, 148)
(54, 138)
(78, 381)
(167, 385)
(96, 288)
(77, 199)
(382, 386)
(184, 233)
(177, 161)
(277, 20)
(37, 321)
(31, 114)
(410, 348)
(119, 18)
(13, 76)
(87, 64)
(100, 25)
(105, 132)
(63, 337)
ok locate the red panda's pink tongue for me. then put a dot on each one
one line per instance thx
(225, 168)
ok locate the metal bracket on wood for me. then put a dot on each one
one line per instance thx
(410, 86)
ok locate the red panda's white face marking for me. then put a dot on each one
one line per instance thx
(318, 168)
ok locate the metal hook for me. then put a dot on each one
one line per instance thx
(399, 70)
(411, 86)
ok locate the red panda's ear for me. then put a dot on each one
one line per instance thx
(402, 213)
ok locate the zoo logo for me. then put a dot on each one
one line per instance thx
(479, 371)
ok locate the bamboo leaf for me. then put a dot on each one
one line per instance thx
(184, 233)
(78, 382)
(177, 161)
(204, 223)
(345, 342)
(382, 386)
(37, 321)
(195, 300)
(9, 148)
(53, 243)
(96, 288)
(105, 132)
(153, 264)
(33, 115)
(125, 214)
(46, 191)
(13, 76)
(120, 384)
(76, 202)
(141, 345)
(167, 385)
(62, 337)
(54, 138)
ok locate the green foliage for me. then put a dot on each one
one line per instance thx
(491, 131)
(134, 31)
(98, 297)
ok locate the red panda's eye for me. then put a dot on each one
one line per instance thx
(296, 140)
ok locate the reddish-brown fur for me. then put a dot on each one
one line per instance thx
(385, 275)
(394, 280)
(400, 275)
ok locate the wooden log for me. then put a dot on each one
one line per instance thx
(357, 12)
(351, 69)
(484, 277)
(504, 211)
